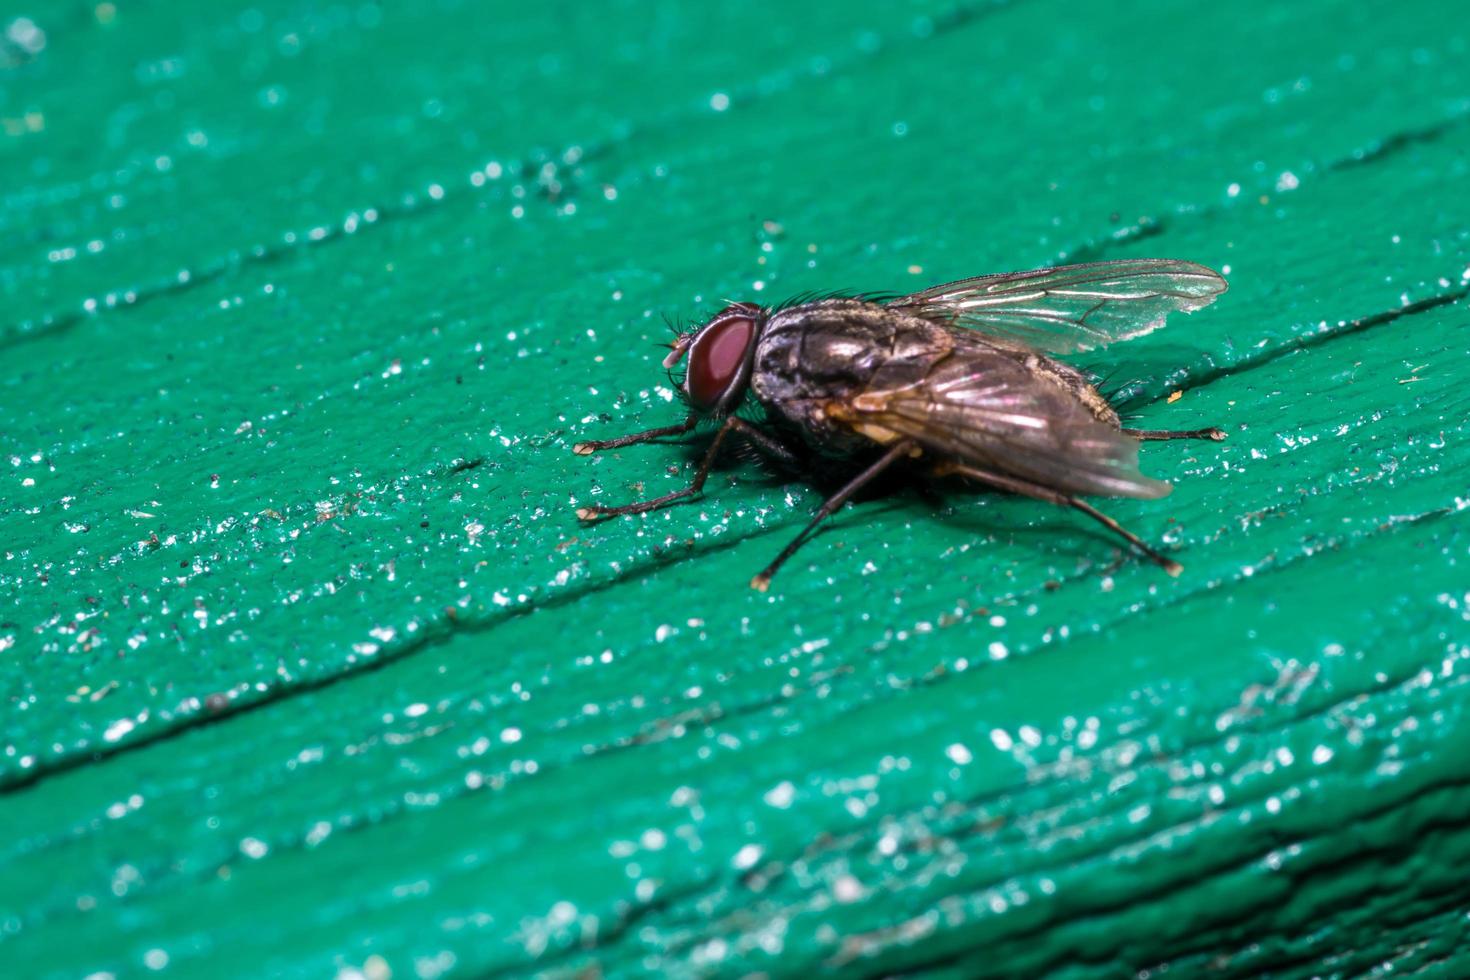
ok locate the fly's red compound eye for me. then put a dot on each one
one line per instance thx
(717, 359)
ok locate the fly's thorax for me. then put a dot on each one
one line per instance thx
(814, 357)
(833, 347)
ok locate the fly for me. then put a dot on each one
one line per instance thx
(958, 380)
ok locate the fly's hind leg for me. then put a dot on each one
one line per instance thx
(1039, 492)
(1151, 435)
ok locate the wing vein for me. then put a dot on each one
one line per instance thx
(1070, 308)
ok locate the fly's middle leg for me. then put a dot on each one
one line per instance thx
(897, 451)
(1039, 492)
(1151, 435)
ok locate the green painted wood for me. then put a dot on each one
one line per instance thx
(307, 666)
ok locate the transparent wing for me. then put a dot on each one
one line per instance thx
(1072, 307)
(984, 407)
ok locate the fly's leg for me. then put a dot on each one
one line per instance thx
(765, 443)
(759, 438)
(1151, 435)
(700, 475)
(897, 451)
(1039, 492)
(596, 445)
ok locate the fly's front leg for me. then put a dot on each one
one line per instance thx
(596, 445)
(1151, 435)
(597, 511)
(1039, 492)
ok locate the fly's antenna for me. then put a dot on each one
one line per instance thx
(677, 348)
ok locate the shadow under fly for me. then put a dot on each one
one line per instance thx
(960, 380)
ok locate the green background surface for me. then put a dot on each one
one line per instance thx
(308, 668)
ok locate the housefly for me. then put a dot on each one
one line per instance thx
(958, 380)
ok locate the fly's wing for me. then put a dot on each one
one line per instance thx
(985, 407)
(1072, 307)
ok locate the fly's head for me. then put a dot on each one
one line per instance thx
(720, 354)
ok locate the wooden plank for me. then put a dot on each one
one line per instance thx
(308, 665)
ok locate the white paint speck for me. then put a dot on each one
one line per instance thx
(780, 795)
(847, 889)
(746, 857)
(118, 729)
